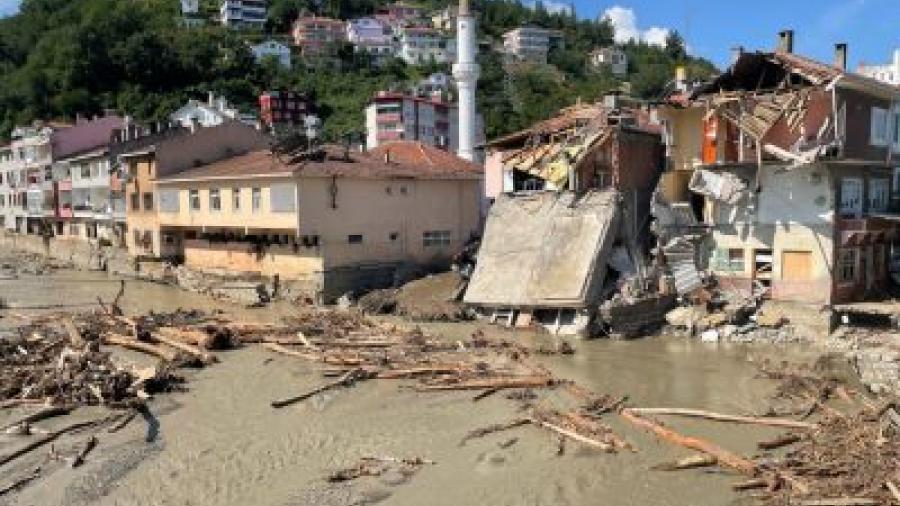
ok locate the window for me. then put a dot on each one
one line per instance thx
(879, 127)
(895, 129)
(847, 265)
(135, 202)
(436, 239)
(879, 193)
(256, 199)
(235, 199)
(851, 198)
(393, 236)
(194, 199)
(728, 259)
(896, 182)
(215, 200)
(148, 201)
(355, 239)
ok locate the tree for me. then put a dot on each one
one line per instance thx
(675, 47)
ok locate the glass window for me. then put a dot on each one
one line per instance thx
(235, 199)
(215, 200)
(879, 127)
(436, 238)
(879, 193)
(847, 265)
(851, 197)
(256, 199)
(355, 239)
(148, 201)
(194, 198)
(135, 202)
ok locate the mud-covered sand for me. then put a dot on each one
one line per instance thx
(221, 443)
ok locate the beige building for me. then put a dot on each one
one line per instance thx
(147, 157)
(338, 222)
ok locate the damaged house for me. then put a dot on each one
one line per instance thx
(570, 198)
(792, 165)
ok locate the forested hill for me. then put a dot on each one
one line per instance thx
(59, 58)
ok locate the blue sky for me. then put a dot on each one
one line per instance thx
(712, 27)
(870, 27)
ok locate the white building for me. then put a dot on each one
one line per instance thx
(272, 48)
(190, 13)
(243, 13)
(889, 72)
(612, 58)
(213, 112)
(425, 45)
(403, 117)
(27, 186)
(531, 44)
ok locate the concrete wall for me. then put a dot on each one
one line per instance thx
(288, 263)
(81, 254)
(243, 218)
(686, 136)
(391, 215)
(493, 174)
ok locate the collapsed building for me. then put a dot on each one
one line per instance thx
(571, 197)
(791, 166)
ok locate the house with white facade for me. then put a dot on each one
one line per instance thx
(425, 45)
(374, 37)
(887, 72)
(213, 112)
(271, 48)
(531, 43)
(612, 58)
(243, 13)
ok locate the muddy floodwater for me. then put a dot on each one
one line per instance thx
(220, 443)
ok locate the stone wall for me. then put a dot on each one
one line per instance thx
(879, 367)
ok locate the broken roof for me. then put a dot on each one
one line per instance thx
(567, 118)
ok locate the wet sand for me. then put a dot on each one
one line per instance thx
(221, 444)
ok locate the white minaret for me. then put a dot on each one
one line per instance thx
(466, 73)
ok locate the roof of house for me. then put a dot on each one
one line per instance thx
(407, 160)
(85, 136)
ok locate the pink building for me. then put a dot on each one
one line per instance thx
(317, 36)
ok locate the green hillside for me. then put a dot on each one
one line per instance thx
(59, 58)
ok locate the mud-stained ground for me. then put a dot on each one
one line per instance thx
(220, 443)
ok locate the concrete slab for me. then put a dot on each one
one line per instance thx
(545, 250)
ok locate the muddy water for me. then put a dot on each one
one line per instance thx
(221, 443)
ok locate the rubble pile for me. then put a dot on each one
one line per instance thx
(432, 298)
(16, 264)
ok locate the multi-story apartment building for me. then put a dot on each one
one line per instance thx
(399, 15)
(243, 13)
(420, 45)
(430, 119)
(799, 186)
(285, 108)
(190, 13)
(11, 184)
(531, 44)
(373, 37)
(272, 49)
(29, 172)
(318, 36)
(888, 72)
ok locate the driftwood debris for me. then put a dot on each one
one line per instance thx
(42, 414)
(86, 448)
(494, 383)
(692, 462)
(600, 445)
(135, 345)
(20, 482)
(203, 356)
(493, 429)
(376, 466)
(841, 501)
(348, 379)
(46, 439)
(726, 458)
(783, 440)
(719, 417)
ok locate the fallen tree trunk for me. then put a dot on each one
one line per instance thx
(719, 417)
(600, 445)
(494, 383)
(135, 345)
(21, 482)
(694, 461)
(15, 403)
(787, 439)
(89, 445)
(42, 414)
(346, 380)
(493, 429)
(724, 457)
(203, 356)
(45, 439)
(841, 501)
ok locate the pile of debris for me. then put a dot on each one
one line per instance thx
(19, 263)
(433, 298)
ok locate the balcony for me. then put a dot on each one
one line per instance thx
(65, 211)
(388, 117)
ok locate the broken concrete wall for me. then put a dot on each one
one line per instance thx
(545, 249)
(82, 254)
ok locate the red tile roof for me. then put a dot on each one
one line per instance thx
(407, 160)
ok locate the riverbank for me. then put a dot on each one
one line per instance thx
(220, 443)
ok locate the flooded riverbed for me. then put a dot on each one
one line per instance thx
(220, 443)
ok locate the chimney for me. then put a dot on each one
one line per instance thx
(840, 55)
(786, 41)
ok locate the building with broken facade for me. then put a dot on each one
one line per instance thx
(571, 196)
(790, 164)
(334, 221)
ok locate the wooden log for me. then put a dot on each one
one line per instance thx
(15, 403)
(841, 501)
(719, 417)
(589, 425)
(89, 445)
(692, 462)
(894, 490)
(46, 439)
(600, 445)
(20, 482)
(42, 414)
(123, 422)
(135, 345)
(412, 372)
(498, 383)
(346, 380)
(277, 348)
(751, 484)
(203, 356)
(724, 457)
(787, 439)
